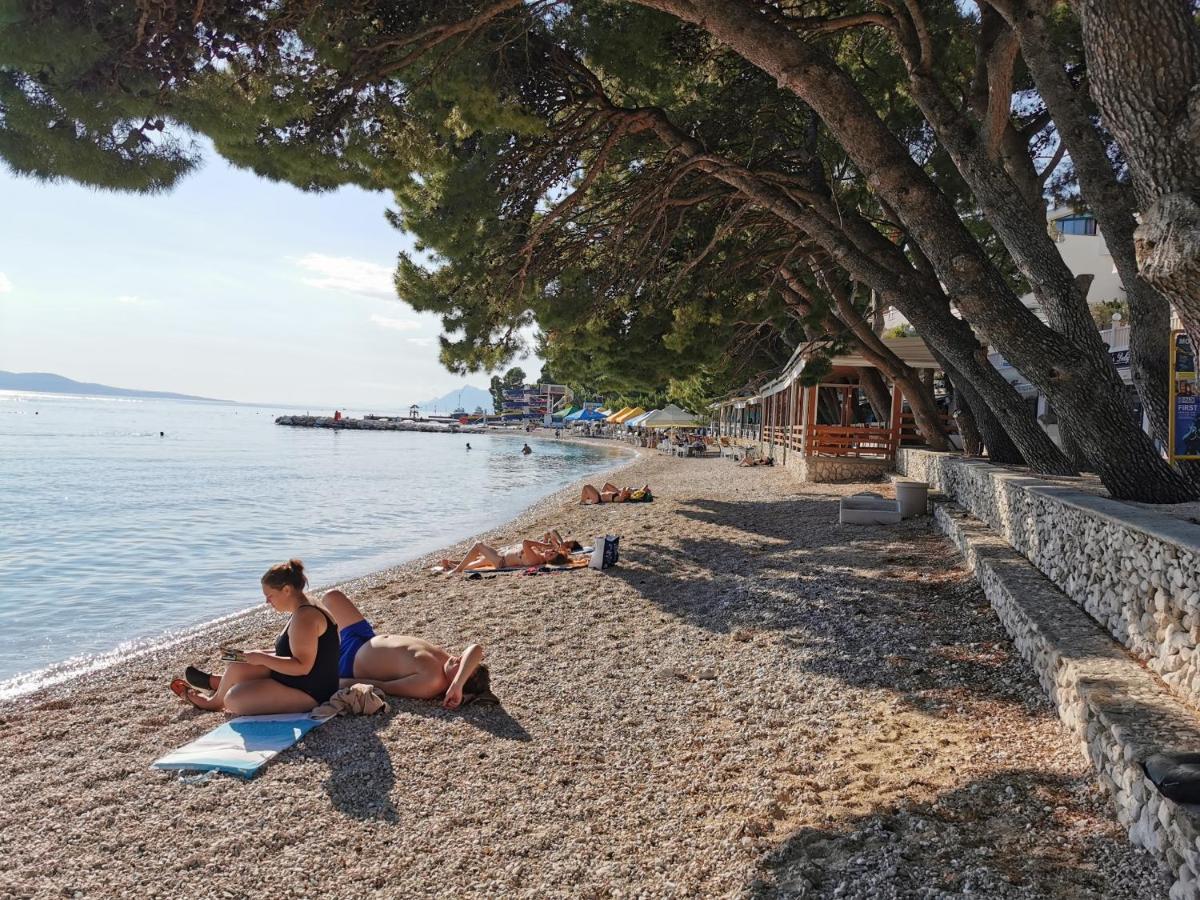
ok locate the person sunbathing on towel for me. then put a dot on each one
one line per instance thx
(610, 493)
(299, 673)
(551, 549)
(402, 665)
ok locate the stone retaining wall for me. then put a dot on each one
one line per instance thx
(828, 469)
(1134, 570)
(1119, 712)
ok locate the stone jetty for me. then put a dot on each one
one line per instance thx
(381, 423)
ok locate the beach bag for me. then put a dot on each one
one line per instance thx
(604, 553)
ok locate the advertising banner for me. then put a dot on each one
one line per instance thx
(1185, 422)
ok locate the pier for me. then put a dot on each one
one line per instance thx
(378, 423)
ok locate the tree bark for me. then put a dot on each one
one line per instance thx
(873, 260)
(1111, 201)
(968, 430)
(877, 393)
(1000, 447)
(1081, 383)
(1144, 72)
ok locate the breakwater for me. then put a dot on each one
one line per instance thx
(378, 424)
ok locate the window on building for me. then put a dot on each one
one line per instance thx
(1076, 225)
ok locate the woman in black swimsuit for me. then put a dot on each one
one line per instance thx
(301, 673)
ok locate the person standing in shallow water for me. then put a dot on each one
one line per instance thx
(468, 445)
(300, 673)
(526, 449)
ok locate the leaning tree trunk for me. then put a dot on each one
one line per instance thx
(926, 415)
(1082, 385)
(922, 304)
(1144, 71)
(1000, 448)
(1111, 201)
(968, 428)
(876, 389)
(875, 261)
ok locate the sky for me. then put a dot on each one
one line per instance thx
(230, 286)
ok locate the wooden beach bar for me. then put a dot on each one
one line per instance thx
(847, 427)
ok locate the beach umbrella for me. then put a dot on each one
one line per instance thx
(670, 416)
(637, 421)
(613, 418)
(624, 417)
(589, 415)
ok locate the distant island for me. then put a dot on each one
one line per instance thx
(47, 383)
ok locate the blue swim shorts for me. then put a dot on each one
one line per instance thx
(352, 637)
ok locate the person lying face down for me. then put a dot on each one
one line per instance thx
(550, 550)
(299, 673)
(403, 665)
(610, 493)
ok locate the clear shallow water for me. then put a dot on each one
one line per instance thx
(111, 535)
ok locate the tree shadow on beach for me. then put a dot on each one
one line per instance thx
(874, 608)
(361, 776)
(1017, 833)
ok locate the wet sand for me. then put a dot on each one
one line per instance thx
(755, 702)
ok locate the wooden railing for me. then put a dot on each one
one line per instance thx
(910, 436)
(851, 440)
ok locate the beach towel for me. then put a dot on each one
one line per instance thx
(356, 700)
(241, 746)
(579, 560)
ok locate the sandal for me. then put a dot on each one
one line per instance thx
(198, 678)
(183, 691)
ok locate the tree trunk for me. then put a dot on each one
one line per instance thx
(968, 430)
(926, 415)
(1111, 201)
(964, 416)
(877, 393)
(873, 260)
(1144, 72)
(1000, 447)
(1083, 387)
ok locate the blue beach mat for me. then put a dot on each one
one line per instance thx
(241, 746)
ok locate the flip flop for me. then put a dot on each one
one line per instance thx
(183, 691)
(198, 678)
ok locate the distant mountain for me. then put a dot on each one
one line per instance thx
(471, 397)
(57, 384)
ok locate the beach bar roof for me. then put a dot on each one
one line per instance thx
(624, 417)
(635, 421)
(615, 417)
(670, 416)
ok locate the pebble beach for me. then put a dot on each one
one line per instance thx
(756, 702)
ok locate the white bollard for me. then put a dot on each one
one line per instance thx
(913, 495)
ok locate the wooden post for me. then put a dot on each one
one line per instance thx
(810, 413)
(897, 406)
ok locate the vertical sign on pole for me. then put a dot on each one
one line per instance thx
(1185, 422)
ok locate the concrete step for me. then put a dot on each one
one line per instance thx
(1119, 711)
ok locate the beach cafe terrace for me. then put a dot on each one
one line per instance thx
(828, 431)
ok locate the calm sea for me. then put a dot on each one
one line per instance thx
(112, 537)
